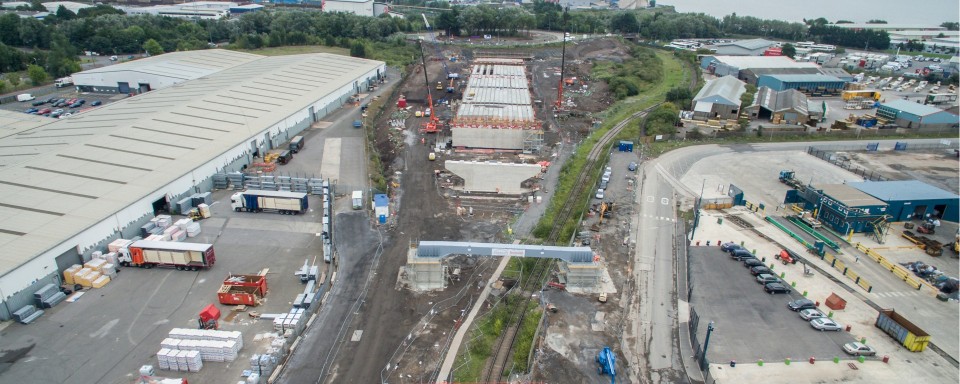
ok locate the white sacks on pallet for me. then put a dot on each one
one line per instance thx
(193, 229)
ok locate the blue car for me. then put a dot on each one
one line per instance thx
(96, 103)
(31, 110)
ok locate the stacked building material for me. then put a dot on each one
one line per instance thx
(179, 360)
(86, 276)
(212, 345)
(292, 321)
(100, 282)
(193, 229)
(118, 244)
(27, 314)
(69, 273)
(48, 296)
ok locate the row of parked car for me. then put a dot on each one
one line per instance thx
(806, 308)
(605, 179)
(57, 103)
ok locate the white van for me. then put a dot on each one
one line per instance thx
(25, 97)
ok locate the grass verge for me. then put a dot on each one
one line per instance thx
(525, 337)
(470, 362)
(674, 76)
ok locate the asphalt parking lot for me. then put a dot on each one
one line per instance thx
(64, 93)
(750, 324)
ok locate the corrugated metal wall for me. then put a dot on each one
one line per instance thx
(25, 297)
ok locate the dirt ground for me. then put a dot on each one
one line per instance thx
(424, 322)
(937, 168)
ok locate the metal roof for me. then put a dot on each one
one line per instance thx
(849, 196)
(728, 88)
(91, 166)
(805, 78)
(171, 245)
(12, 122)
(750, 44)
(903, 190)
(186, 65)
(749, 62)
(787, 99)
(912, 107)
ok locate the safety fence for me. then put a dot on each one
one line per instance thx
(898, 270)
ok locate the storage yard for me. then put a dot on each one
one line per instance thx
(254, 247)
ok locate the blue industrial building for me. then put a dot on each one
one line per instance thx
(912, 199)
(810, 84)
(841, 207)
(908, 114)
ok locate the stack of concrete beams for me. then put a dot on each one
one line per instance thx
(496, 111)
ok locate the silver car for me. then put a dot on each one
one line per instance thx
(858, 349)
(825, 324)
(810, 314)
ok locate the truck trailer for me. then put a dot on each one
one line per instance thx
(63, 82)
(255, 200)
(182, 256)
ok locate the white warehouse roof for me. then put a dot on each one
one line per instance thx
(67, 176)
(12, 122)
(750, 62)
(187, 65)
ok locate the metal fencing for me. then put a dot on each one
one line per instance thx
(830, 156)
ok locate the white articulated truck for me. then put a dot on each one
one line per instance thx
(255, 200)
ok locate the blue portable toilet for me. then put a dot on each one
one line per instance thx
(381, 207)
(625, 146)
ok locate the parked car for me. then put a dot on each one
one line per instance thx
(55, 114)
(742, 254)
(810, 314)
(753, 262)
(825, 324)
(772, 288)
(797, 305)
(730, 247)
(68, 114)
(760, 269)
(44, 111)
(96, 103)
(859, 349)
(75, 105)
(58, 111)
(599, 194)
(30, 110)
(606, 176)
(50, 100)
(632, 166)
(766, 278)
(38, 103)
(603, 185)
(81, 101)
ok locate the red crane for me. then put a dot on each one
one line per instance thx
(432, 121)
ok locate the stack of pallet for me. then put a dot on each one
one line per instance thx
(193, 229)
(212, 345)
(118, 244)
(69, 273)
(179, 360)
(27, 314)
(49, 296)
(86, 277)
(292, 321)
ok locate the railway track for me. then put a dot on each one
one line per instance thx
(503, 352)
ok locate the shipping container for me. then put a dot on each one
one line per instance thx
(902, 330)
(182, 256)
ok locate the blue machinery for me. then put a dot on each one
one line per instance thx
(607, 361)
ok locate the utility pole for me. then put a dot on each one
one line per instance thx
(696, 210)
(706, 343)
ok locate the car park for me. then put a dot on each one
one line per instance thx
(599, 194)
(766, 278)
(772, 288)
(797, 305)
(750, 263)
(810, 314)
(825, 324)
(760, 269)
(859, 349)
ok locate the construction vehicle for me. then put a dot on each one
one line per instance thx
(788, 177)
(182, 256)
(605, 209)
(255, 200)
(195, 214)
(209, 317)
(450, 88)
(558, 105)
(439, 86)
(431, 125)
(787, 257)
(607, 364)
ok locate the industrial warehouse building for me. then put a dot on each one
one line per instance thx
(784, 107)
(845, 209)
(70, 186)
(750, 68)
(158, 72)
(923, 118)
(813, 84)
(719, 99)
(751, 47)
(356, 7)
(912, 199)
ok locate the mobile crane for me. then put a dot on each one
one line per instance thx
(558, 105)
(430, 33)
(431, 125)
